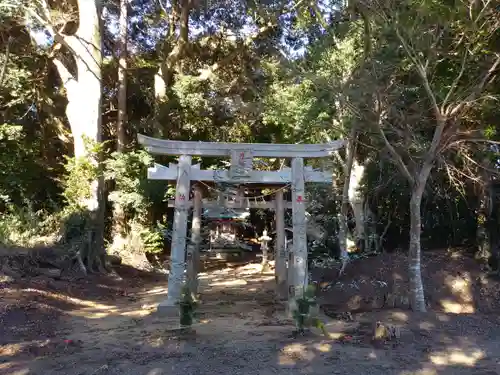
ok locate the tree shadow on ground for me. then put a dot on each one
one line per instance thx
(453, 281)
(241, 329)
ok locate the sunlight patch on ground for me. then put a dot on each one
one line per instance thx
(324, 348)
(95, 306)
(10, 350)
(460, 287)
(292, 353)
(453, 307)
(155, 291)
(157, 342)
(250, 269)
(456, 255)
(457, 357)
(94, 310)
(263, 278)
(335, 335)
(426, 325)
(400, 316)
(443, 318)
(94, 313)
(424, 371)
(101, 311)
(19, 372)
(228, 283)
(139, 313)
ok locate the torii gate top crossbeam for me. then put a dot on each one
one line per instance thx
(168, 147)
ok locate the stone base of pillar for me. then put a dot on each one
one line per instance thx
(168, 308)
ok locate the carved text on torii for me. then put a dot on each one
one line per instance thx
(241, 164)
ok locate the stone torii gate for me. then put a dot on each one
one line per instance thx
(292, 273)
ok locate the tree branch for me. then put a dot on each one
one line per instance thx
(478, 89)
(66, 77)
(493, 171)
(473, 140)
(207, 73)
(454, 84)
(45, 21)
(395, 155)
(440, 119)
(6, 62)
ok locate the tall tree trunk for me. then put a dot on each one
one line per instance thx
(417, 297)
(84, 94)
(483, 238)
(119, 220)
(176, 46)
(3, 71)
(357, 201)
(122, 79)
(350, 151)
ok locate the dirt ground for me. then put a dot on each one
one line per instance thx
(108, 325)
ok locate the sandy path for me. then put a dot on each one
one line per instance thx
(240, 331)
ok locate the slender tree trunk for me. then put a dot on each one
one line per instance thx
(484, 211)
(171, 64)
(482, 233)
(357, 201)
(350, 151)
(122, 79)
(417, 297)
(3, 71)
(119, 220)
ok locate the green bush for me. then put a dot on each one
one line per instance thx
(128, 171)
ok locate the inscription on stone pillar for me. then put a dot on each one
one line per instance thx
(178, 253)
(280, 258)
(241, 164)
(299, 263)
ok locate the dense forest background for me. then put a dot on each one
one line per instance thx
(411, 85)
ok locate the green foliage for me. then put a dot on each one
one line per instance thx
(153, 239)
(10, 148)
(323, 211)
(129, 173)
(81, 172)
(134, 196)
(21, 222)
(74, 224)
(23, 226)
(19, 167)
(187, 305)
(305, 311)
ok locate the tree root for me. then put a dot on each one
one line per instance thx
(79, 260)
(343, 267)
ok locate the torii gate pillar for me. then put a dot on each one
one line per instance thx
(298, 258)
(178, 248)
(193, 249)
(280, 256)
